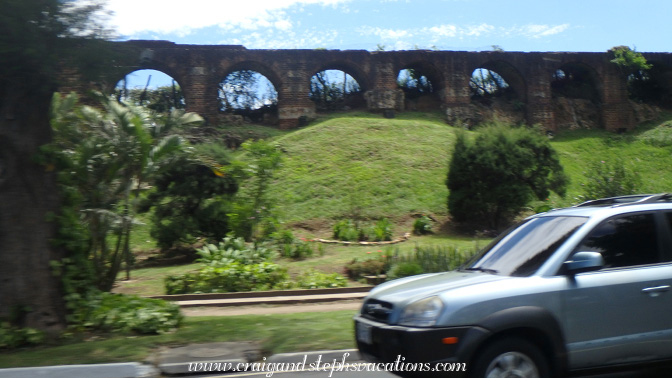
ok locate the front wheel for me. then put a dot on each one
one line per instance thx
(510, 358)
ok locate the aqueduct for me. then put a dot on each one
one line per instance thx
(199, 68)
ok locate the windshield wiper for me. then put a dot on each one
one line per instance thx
(484, 270)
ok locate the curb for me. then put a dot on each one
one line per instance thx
(138, 370)
(263, 294)
(118, 370)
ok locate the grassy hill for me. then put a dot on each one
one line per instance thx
(365, 165)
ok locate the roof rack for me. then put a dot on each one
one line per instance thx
(629, 200)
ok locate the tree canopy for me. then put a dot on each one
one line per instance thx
(495, 174)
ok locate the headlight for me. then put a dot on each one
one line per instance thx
(422, 313)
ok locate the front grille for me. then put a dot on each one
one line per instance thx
(377, 310)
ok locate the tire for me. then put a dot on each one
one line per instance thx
(510, 357)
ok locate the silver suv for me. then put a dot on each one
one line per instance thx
(577, 288)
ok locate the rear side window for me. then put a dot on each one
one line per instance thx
(624, 241)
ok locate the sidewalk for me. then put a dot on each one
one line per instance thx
(217, 357)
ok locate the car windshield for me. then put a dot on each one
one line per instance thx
(522, 249)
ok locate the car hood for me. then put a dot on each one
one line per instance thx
(413, 288)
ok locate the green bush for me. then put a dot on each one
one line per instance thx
(291, 247)
(494, 176)
(347, 230)
(123, 313)
(231, 277)
(233, 249)
(423, 225)
(357, 269)
(609, 179)
(14, 337)
(314, 279)
(404, 269)
(432, 259)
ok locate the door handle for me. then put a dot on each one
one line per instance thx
(656, 290)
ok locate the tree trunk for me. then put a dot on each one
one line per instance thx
(30, 294)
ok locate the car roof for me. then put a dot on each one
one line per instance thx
(615, 205)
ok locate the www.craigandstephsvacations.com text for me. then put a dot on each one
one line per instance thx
(330, 367)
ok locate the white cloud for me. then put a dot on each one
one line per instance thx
(133, 16)
(538, 31)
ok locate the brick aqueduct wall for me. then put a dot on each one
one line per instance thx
(199, 69)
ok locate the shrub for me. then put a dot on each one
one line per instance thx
(356, 269)
(232, 249)
(315, 280)
(291, 247)
(432, 259)
(495, 175)
(609, 179)
(422, 225)
(231, 277)
(404, 269)
(14, 337)
(124, 313)
(347, 230)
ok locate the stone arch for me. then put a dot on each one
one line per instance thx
(508, 102)
(511, 75)
(657, 86)
(577, 96)
(577, 80)
(431, 100)
(267, 113)
(172, 95)
(353, 99)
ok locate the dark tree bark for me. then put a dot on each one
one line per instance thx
(30, 293)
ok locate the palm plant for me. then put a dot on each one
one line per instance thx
(114, 151)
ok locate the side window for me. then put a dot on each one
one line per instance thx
(624, 241)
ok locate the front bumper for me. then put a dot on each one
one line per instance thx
(424, 348)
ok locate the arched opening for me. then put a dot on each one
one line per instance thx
(335, 90)
(576, 97)
(249, 94)
(498, 91)
(420, 90)
(151, 88)
(653, 86)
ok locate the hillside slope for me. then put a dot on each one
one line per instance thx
(360, 164)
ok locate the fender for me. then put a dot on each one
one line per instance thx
(527, 317)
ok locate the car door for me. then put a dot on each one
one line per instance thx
(623, 312)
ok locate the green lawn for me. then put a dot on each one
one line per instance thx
(278, 333)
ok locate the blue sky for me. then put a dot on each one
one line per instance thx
(464, 25)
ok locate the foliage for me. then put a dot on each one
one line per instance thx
(348, 230)
(628, 60)
(230, 277)
(291, 247)
(414, 83)
(660, 136)
(429, 259)
(233, 249)
(14, 337)
(314, 279)
(423, 225)
(329, 92)
(105, 157)
(123, 313)
(252, 215)
(609, 179)
(357, 269)
(642, 83)
(487, 83)
(191, 198)
(404, 269)
(245, 90)
(161, 99)
(495, 175)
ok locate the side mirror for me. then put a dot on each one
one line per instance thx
(584, 262)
